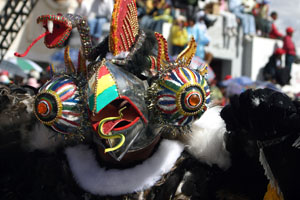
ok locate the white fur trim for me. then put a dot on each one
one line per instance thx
(100, 181)
(206, 142)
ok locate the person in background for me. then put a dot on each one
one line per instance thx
(230, 19)
(272, 68)
(247, 20)
(263, 23)
(274, 33)
(289, 47)
(4, 77)
(82, 8)
(33, 79)
(100, 13)
(157, 12)
(179, 35)
(200, 37)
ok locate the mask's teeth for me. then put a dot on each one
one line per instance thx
(50, 26)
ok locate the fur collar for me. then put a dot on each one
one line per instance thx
(94, 178)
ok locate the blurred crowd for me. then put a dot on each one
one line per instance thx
(33, 78)
(192, 18)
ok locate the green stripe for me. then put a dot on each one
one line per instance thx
(54, 83)
(91, 102)
(171, 86)
(202, 81)
(106, 97)
(175, 116)
(68, 107)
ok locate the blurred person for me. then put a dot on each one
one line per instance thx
(33, 82)
(33, 79)
(82, 8)
(217, 94)
(247, 20)
(289, 47)
(230, 19)
(195, 30)
(205, 19)
(248, 6)
(100, 13)
(271, 71)
(4, 77)
(179, 35)
(274, 33)
(157, 13)
(263, 23)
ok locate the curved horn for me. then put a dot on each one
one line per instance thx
(68, 62)
(185, 57)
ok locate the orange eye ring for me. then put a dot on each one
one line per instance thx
(42, 108)
(194, 100)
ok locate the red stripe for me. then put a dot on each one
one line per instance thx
(64, 85)
(70, 113)
(181, 76)
(180, 121)
(102, 72)
(67, 95)
(166, 95)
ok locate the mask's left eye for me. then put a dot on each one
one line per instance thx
(191, 100)
(46, 107)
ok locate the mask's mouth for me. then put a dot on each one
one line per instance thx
(130, 115)
(59, 29)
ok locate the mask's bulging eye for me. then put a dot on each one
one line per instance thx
(182, 97)
(46, 107)
(59, 105)
(193, 100)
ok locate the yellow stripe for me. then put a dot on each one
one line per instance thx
(181, 70)
(104, 82)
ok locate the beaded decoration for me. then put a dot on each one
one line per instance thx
(60, 30)
(162, 55)
(124, 26)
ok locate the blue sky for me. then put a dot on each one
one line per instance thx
(288, 15)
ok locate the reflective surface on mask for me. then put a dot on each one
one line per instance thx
(58, 105)
(115, 90)
(183, 96)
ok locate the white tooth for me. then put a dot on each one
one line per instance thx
(50, 26)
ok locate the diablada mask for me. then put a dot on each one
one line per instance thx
(118, 111)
